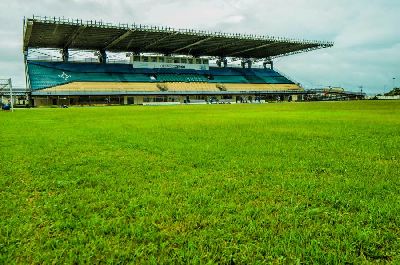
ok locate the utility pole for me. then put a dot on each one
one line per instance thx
(11, 95)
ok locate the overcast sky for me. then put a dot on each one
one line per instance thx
(366, 32)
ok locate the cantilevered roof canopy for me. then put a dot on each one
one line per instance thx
(45, 32)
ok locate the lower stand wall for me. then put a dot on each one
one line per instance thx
(39, 101)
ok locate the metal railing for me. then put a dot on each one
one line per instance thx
(15, 92)
(94, 92)
(76, 60)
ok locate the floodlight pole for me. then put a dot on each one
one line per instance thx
(11, 95)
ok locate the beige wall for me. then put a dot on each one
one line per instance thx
(42, 102)
(138, 100)
(152, 87)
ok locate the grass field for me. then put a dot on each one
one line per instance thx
(239, 184)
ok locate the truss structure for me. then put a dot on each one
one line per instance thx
(65, 34)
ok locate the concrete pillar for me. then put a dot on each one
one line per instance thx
(225, 61)
(268, 62)
(102, 56)
(65, 55)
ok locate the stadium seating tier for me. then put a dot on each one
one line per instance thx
(45, 75)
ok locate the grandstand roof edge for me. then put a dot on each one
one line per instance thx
(256, 44)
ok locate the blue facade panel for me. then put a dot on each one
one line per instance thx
(49, 74)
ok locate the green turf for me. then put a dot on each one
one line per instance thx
(280, 183)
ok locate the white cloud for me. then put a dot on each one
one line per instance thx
(366, 35)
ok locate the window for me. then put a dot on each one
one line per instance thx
(161, 99)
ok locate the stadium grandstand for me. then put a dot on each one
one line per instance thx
(69, 62)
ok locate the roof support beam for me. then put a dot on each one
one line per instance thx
(289, 48)
(55, 30)
(160, 40)
(218, 48)
(119, 39)
(74, 36)
(28, 33)
(251, 49)
(221, 47)
(295, 52)
(193, 44)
